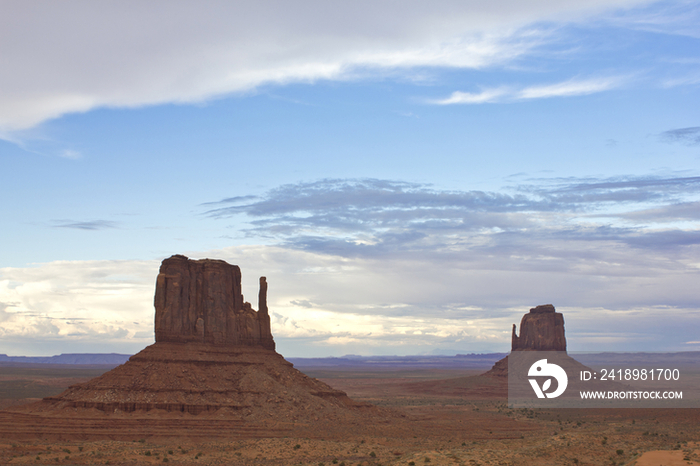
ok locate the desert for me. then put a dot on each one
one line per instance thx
(213, 390)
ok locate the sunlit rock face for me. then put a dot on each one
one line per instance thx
(542, 329)
(201, 301)
(213, 354)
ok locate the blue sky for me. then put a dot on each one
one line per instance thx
(411, 178)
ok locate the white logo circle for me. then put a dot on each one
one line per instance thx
(543, 369)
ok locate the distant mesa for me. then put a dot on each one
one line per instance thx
(213, 354)
(542, 329)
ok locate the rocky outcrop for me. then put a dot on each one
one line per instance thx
(542, 329)
(213, 355)
(243, 382)
(201, 301)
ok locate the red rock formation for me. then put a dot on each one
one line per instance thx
(540, 330)
(201, 301)
(244, 382)
(213, 354)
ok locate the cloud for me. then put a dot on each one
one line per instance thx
(485, 96)
(100, 304)
(668, 18)
(688, 136)
(496, 247)
(374, 266)
(370, 217)
(580, 192)
(569, 88)
(302, 303)
(70, 154)
(84, 225)
(77, 56)
(683, 211)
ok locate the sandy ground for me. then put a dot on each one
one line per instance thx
(442, 418)
(689, 455)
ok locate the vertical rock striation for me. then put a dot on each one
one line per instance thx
(542, 329)
(201, 301)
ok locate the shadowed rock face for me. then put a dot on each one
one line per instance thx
(201, 301)
(542, 329)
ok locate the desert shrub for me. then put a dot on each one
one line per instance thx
(297, 446)
(427, 460)
(372, 454)
(620, 452)
(411, 463)
(148, 453)
(170, 452)
(80, 448)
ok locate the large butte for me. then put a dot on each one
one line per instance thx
(213, 355)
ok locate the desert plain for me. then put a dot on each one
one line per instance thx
(425, 416)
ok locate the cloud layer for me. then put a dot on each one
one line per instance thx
(77, 305)
(372, 218)
(76, 56)
(382, 266)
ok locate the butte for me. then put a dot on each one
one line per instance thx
(542, 329)
(213, 357)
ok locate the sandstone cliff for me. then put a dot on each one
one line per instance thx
(213, 355)
(201, 301)
(542, 329)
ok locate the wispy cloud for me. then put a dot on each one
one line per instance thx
(485, 96)
(688, 136)
(383, 218)
(70, 154)
(671, 18)
(569, 88)
(85, 225)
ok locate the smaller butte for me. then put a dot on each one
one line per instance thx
(542, 329)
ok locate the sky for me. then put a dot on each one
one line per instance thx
(411, 177)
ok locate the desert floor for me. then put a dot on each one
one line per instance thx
(436, 417)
